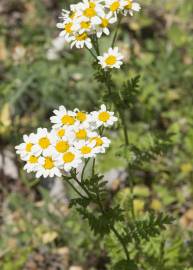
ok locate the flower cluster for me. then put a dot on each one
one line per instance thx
(75, 136)
(91, 19)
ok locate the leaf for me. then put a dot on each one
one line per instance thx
(125, 265)
(148, 227)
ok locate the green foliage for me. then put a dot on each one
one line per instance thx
(158, 46)
(125, 265)
(136, 156)
(101, 224)
(150, 226)
(130, 92)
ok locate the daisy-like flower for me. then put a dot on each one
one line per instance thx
(31, 163)
(101, 143)
(41, 142)
(106, 20)
(70, 159)
(86, 148)
(82, 25)
(115, 5)
(69, 14)
(81, 40)
(63, 118)
(24, 149)
(104, 117)
(111, 59)
(67, 29)
(47, 167)
(81, 131)
(62, 131)
(82, 117)
(130, 7)
(61, 144)
(91, 10)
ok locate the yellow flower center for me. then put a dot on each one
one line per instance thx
(81, 134)
(92, 5)
(104, 22)
(85, 25)
(98, 141)
(129, 4)
(114, 6)
(62, 146)
(85, 150)
(48, 163)
(110, 60)
(61, 132)
(67, 120)
(44, 142)
(68, 27)
(89, 12)
(104, 116)
(33, 159)
(28, 147)
(81, 37)
(68, 157)
(80, 116)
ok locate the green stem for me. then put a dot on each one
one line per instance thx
(93, 55)
(93, 165)
(75, 189)
(121, 242)
(83, 187)
(83, 170)
(95, 44)
(129, 170)
(124, 125)
(119, 237)
(116, 32)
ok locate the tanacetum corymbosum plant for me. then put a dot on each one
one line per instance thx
(76, 137)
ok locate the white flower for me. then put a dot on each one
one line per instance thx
(41, 142)
(47, 167)
(70, 159)
(62, 131)
(101, 143)
(86, 148)
(71, 139)
(81, 131)
(131, 7)
(82, 25)
(111, 59)
(24, 149)
(69, 14)
(63, 118)
(67, 31)
(106, 20)
(104, 117)
(61, 144)
(91, 10)
(31, 163)
(115, 5)
(81, 40)
(82, 117)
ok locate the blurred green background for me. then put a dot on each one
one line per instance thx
(38, 72)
